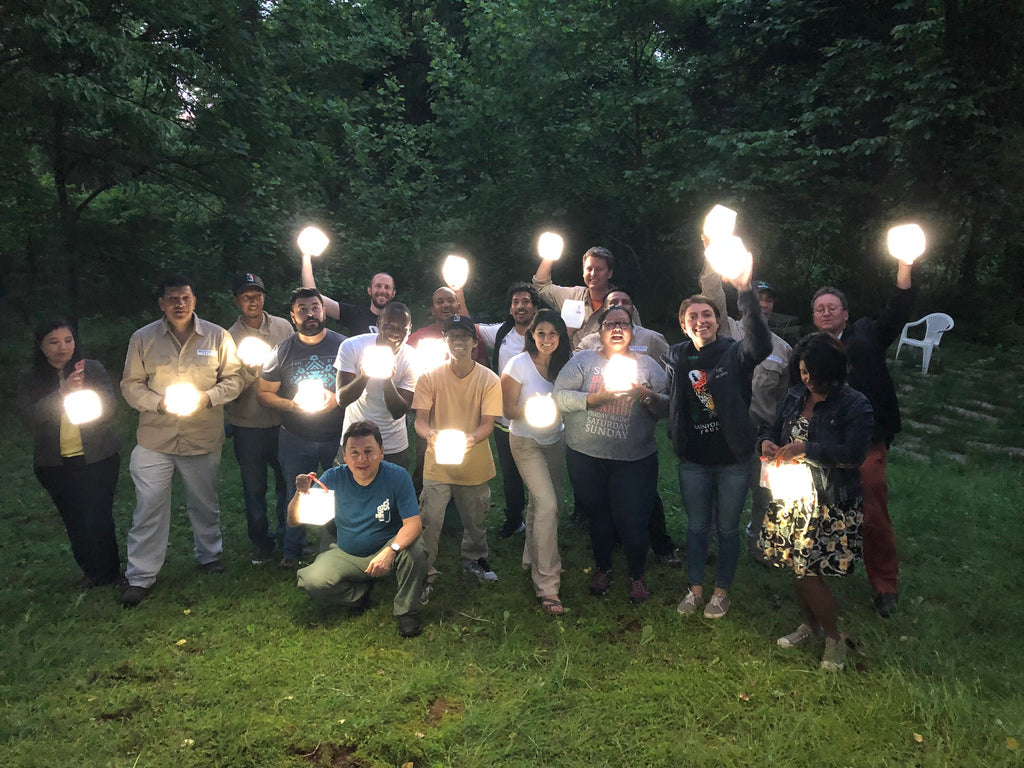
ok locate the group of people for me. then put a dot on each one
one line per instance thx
(735, 396)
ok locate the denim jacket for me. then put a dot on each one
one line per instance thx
(838, 438)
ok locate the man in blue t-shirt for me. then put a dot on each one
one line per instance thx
(378, 520)
(298, 381)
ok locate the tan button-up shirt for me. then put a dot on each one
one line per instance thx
(246, 410)
(156, 360)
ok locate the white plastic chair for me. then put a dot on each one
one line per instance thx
(936, 324)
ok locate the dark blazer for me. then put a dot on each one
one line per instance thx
(40, 405)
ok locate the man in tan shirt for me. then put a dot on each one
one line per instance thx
(178, 349)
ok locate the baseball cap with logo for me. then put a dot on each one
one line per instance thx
(248, 280)
(462, 323)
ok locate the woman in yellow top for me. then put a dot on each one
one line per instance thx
(76, 464)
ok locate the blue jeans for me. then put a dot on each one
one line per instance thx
(704, 487)
(618, 496)
(298, 456)
(256, 451)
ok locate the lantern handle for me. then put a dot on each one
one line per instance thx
(313, 477)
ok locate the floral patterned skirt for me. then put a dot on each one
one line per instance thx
(812, 538)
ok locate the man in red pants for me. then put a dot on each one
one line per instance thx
(866, 342)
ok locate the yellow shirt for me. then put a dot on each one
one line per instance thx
(155, 360)
(461, 404)
(70, 438)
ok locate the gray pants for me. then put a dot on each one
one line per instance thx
(338, 578)
(472, 502)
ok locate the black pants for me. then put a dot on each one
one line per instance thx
(512, 482)
(84, 496)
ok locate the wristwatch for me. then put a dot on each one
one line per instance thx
(395, 548)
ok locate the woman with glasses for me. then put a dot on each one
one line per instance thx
(77, 464)
(611, 400)
(712, 434)
(538, 449)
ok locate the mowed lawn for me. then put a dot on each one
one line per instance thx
(238, 669)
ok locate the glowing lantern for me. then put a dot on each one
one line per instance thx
(620, 373)
(549, 246)
(540, 411)
(311, 396)
(572, 313)
(720, 222)
(181, 399)
(312, 241)
(790, 482)
(431, 354)
(82, 406)
(316, 507)
(253, 351)
(728, 256)
(378, 361)
(906, 242)
(450, 446)
(455, 271)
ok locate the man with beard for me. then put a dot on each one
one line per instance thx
(254, 429)
(178, 348)
(598, 268)
(504, 341)
(355, 318)
(298, 381)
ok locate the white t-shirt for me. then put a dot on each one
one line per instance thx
(371, 406)
(511, 346)
(521, 368)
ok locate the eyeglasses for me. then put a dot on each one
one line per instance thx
(609, 325)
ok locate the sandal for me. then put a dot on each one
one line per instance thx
(551, 604)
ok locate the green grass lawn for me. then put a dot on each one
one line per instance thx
(239, 669)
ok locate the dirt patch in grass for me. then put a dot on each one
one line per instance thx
(332, 755)
(438, 708)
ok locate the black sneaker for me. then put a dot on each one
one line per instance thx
(409, 624)
(600, 582)
(214, 566)
(885, 604)
(510, 528)
(132, 596)
(481, 569)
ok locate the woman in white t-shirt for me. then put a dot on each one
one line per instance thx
(539, 451)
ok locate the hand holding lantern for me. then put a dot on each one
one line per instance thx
(182, 399)
(450, 446)
(83, 406)
(253, 352)
(906, 242)
(312, 242)
(311, 396)
(540, 411)
(378, 362)
(455, 272)
(720, 223)
(431, 354)
(549, 246)
(620, 374)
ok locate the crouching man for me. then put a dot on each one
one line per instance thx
(378, 522)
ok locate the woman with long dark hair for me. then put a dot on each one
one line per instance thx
(825, 424)
(539, 451)
(76, 464)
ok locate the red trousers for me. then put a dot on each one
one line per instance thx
(881, 561)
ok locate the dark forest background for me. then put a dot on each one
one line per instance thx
(142, 137)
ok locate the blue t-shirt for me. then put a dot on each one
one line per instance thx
(368, 516)
(292, 362)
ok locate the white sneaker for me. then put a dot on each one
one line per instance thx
(799, 636)
(481, 569)
(690, 603)
(717, 607)
(834, 659)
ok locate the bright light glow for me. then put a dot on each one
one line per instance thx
(549, 246)
(906, 242)
(450, 446)
(572, 313)
(540, 411)
(82, 406)
(728, 256)
(312, 241)
(455, 271)
(620, 373)
(181, 399)
(316, 507)
(311, 396)
(720, 222)
(790, 482)
(378, 362)
(430, 354)
(253, 351)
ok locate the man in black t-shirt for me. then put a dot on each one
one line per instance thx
(355, 318)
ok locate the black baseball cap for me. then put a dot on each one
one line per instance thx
(248, 280)
(763, 287)
(460, 322)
